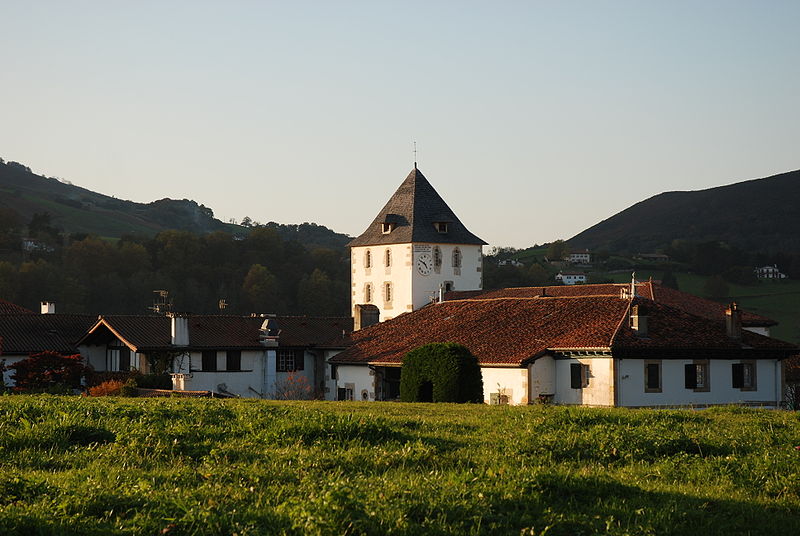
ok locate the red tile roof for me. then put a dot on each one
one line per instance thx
(8, 308)
(682, 300)
(25, 334)
(145, 333)
(511, 331)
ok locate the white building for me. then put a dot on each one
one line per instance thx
(415, 248)
(265, 356)
(769, 272)
(589, 350)
(579, 257)
(571, 278)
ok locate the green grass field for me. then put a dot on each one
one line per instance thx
(126, 466)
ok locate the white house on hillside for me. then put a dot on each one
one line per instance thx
(571, 278)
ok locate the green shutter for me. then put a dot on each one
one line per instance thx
(690, 376)
(737, 370)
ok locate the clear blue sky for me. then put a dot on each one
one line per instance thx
(534, 120)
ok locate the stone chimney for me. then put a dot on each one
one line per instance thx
(733, 321)
(639, 320)
(179, 327)
(48, 308)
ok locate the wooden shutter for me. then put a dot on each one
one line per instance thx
(738, 375)
(233, 360)
(576, 375)
(652, 376)
(690, 375)
(299, 360)
(209, 360)
(125, 359)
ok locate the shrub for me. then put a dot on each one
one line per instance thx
(107, 388)
(441, 372)
(128, 388)
(153, 381)
(294, 387)
(48, 371)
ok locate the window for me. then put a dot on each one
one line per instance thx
(368, 259)
(387, 291)
(578, 375)
(290, 360)
(744, 375)
(696, 376)
(387, 228)
(118, 359)
(652, 376)
(233, 360)
(209, 361)
(387, 258)
(345, 393)
(456, 258)
(368, 293)
(437, 258)
(441, 226)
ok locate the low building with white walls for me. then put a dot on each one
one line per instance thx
(769, 272)
(579, 257)
(415, 249)
(602, 350)
(571, 278)
(259, 356)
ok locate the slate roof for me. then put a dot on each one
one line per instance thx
(26, 333)
(414, 208)
(513, 331)
(149, 333)
(8, 308)
(648, 289)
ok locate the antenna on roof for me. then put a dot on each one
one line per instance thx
(161, 303)
(222, 304)
(633, 284)
(415, 154)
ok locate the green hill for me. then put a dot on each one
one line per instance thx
(76, 210)
(759, 215)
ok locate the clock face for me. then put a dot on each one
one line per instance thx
(424, 264)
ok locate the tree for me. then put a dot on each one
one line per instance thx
(48, 370)
(557, 250)
(441, 372)
(715, 287)
(669, 280)
(260, 288)
(314, 294)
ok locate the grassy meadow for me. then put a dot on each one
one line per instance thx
(73, 465)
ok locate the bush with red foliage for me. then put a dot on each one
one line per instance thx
(48, 370)
(107, 388)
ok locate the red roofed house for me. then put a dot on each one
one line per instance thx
(247, 356)
(603, 350)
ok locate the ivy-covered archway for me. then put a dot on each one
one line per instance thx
(441, 372)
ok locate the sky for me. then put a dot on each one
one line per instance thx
(533, 120)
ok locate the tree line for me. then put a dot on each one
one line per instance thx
(260, 272)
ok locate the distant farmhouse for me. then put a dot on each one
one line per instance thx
(571, 278)
(417, 279)
(579, 257)
(769, 272)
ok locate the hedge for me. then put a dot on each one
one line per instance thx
(447, 371)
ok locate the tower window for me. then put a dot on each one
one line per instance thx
(387, 228)
(388, 258)
(437, 258)
(456, 258)
(387, 291)
(441, 226)
(368, 292)
(368, 259)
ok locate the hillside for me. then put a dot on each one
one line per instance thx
(759, 215)
(76, 210)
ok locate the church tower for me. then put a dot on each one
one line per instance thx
(414, 248)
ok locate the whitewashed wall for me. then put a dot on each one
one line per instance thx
(512, 382)
(674, 393)
(542, 377)
(358, 377)
(599, 392)
(470, 276)
(246, 383)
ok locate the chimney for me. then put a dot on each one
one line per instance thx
(179, 326)
(733, 321)
(639, 320)
(48, 308)
(269, 332)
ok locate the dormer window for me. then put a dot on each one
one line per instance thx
(387, 228)
(441, 226)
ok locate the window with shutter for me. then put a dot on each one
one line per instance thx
(744, 375)
(209, 360)
(652, 376)
(233, 360)
(125, 359)
(696, 376)
(576, 375)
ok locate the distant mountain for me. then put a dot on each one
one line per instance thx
(760, 215)
(77, 210)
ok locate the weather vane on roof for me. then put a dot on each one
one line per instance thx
(415, 154)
